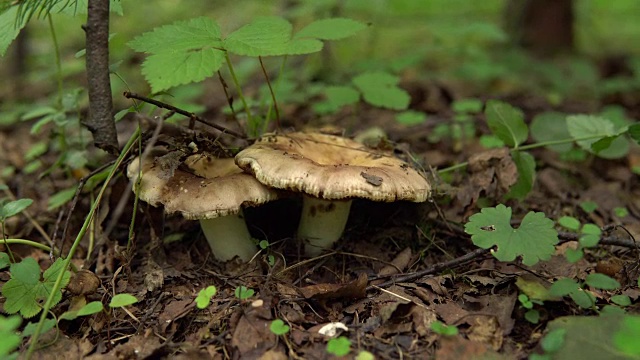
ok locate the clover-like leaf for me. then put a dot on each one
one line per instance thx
(182, 52)
(243, 293)
(25, 292)
(331, 29)
(534, 240)
(265, 36)
(204, 296)
(278, 327)
(381, 89)
(506, 122)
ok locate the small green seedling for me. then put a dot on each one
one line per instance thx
(492, 227)
(264, 245)
(339, 346)
(576, 292)
(27, 289)
(532, 315)
(278, 327)
(204, 296)
(243, 293)
(589, 236)
(91, 308)
(620, 211)
(589, 206)
(122, 300)
(365, 355)
(442, 329)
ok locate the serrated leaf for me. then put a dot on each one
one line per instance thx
(526, 165)
(181, 36)
(25, 292)
(381, 89)
(8, 29)
(265, 36)
(331, 29)
(506, 122)
(122, 300)
(534, 240)
(601, 281)
(14, 207)
(168, 69)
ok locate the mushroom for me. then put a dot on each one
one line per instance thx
(330, 171)
(214, 191)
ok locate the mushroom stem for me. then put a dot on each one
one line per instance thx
(322, 223)
(229, 237)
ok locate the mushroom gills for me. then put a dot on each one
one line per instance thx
(322, 223)
(228, 237)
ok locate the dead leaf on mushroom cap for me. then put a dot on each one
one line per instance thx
(215, 188)
(332, 167)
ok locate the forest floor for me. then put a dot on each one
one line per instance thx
(399, 267)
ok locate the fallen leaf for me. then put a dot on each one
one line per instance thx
(457, 347)
(352, 290)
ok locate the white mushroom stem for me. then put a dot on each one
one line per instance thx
(322, 223)
(229, 237)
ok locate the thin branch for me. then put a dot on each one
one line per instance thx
(100, 121)
(273, 95)
(190, 115)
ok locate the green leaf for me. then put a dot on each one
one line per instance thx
(183, 52)
(551, 126)
(553, 341)
(620, 211)
(588, 129)
(9, 29)
(491, 142)
(14, 207)
(574, 255)
(526, 165)
(331, 29)
(634, 132)
(339, 346)
(181, 36)
(265, 36)
(442, 329)
(8, 333)
(467, 106)
(204, 296)
(122, 300)
(563, 287)
(381, 89)
(589, 206)
(25, 293)
(166, 70)
(626, 338)
(601, 281)
(532, 316)
(534, 240)
(569, 222)
(243, 293)
(278, 327)
(91, 308)
(60, 198)
(336, 98)
(4, 260)
(622, 300)
(583, 299)
(411, 117)
(589, 240)
(506, 122)
(30, 329)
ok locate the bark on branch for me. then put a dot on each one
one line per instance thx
(100, 122)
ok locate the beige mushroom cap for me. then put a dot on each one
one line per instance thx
(217, 187)
(332, 167)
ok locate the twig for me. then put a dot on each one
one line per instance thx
(100, 121)
(273, 95)
(229, 98)
(190, 115)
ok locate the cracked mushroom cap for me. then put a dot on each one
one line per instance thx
(332, 167)
(213, 187)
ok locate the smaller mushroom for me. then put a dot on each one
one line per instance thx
(213, 191)
(330, 171)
